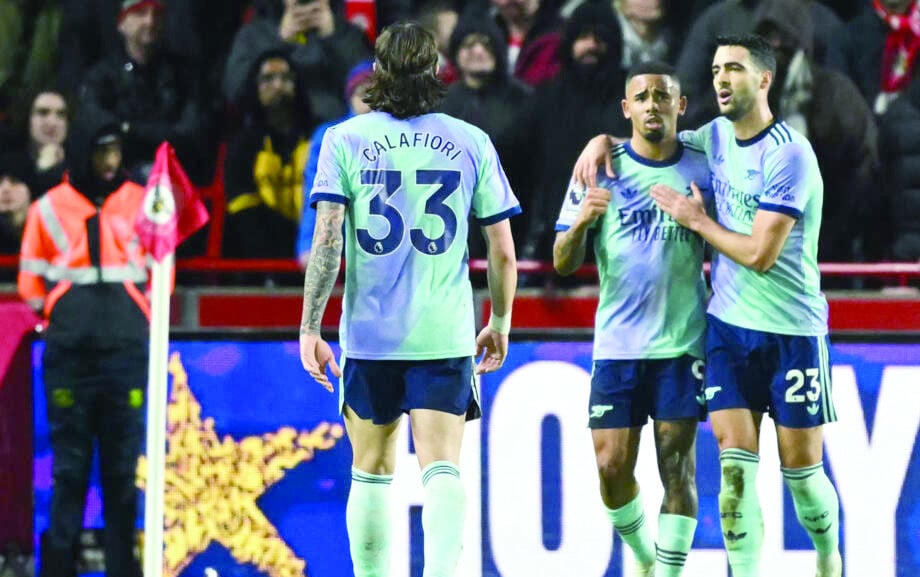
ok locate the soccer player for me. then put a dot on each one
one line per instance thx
(766, 342)
(404, 182)
(650, 322)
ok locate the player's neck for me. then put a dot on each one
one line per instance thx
(654, 150)
(754, 122)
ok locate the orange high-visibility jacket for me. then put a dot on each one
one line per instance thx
(87, 265)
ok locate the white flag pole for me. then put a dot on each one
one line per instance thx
(156, 403)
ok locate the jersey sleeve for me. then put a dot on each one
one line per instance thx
(331, 181)
(571, 206)
(790, 173)
(493, 200)
(699, 140)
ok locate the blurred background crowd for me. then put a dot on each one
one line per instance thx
(245, 88)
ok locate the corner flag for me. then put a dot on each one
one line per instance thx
(172, 209)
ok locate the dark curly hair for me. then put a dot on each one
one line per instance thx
(405, 81)
(761, 51)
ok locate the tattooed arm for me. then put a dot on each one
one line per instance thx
(326, 257)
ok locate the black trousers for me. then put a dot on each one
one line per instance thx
(94, 396)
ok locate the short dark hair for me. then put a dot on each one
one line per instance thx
(761, 52)
(405, 82)
(656, 67)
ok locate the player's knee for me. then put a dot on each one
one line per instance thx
(613, 465)
(677, 470)
(735, 439)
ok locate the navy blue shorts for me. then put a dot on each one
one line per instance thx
(624, 393)
(787, 376)
(383, 390)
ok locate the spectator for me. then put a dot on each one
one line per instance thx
(359, 78)
(266, 160)
(825, 106)
(324, 48)
(152, 93)
(567, 112)
(647, 31)
(846, 9)
(88, 282)
(900, 153)
(488, 98)
(87, 36)
(28, 46)
(42, 156)
(440, 18)
(15, 198)
(531, 30)
(878, 50)
(390, 11)
(732, 17)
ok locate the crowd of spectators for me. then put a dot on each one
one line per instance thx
(251, 85)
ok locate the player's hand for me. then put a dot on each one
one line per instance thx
(595, 153)
(687, 210)
(491, 350)
(594, 204)
(316, 355)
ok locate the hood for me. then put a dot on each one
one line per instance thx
(596, 17)
(82, 134)
(16, 166)
(249, 104)
(479, 23)
(546, 19)
(605, 80)
(792, 17)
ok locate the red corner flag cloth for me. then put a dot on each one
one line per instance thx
(172, 210)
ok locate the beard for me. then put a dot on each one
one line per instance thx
(655, 136)
(738, 107)
(591, 68)
(281, 102)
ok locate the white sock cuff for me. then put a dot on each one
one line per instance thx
(630, 517)
(739, 455)
(800, 476)
(359, 476)
(439, 468)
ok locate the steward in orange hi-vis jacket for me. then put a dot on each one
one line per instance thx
(82, 267)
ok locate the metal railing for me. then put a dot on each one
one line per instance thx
(899, 273)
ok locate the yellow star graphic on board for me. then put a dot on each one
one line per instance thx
(211, 485)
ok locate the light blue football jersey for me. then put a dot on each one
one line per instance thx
(652, 301)
(775, 170)
(409, 186)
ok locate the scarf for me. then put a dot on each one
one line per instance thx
(901, 45)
